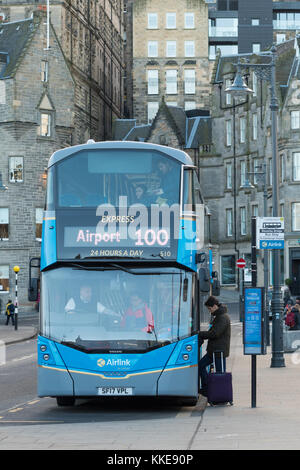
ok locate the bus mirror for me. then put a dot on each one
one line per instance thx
(216, 287)
(204, 285)
(185, 289)
(33, 290)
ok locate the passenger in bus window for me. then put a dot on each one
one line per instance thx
(169, 188)
(141, 195)
(138, 316)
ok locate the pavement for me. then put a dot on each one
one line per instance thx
(274, 423)
(8, 334)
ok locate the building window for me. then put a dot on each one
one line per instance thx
(270, 172)
(189, 48)
(2, 91)
(228, 129)
(44, 70)
(256, 47)
(152, 110)
(152, 21)
(281, 168)
(152, 79)
(243, 221)
(171, 82)
(189, 81)
(295, 216)
(38, 223)
(228, 99)
(229, 175)
(254, 126)
(4, 223)
(171, 49)
(254, 83)
(171, 103)
(171, 20)
(228, 270)
(15, 169)
(242, 130)
(45, 127)
(229, 223)
(188, 105)
(255, 170)
(295, 119)
(243, 172)
(296, 166)
(255, 21)
(152, 49)
(255, 210)
(280, 37)
(225, 50)
(4, 278)
(189, 20)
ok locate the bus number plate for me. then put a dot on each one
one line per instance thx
(123, 391)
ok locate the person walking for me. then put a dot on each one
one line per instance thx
(218, 337)
(10, 312)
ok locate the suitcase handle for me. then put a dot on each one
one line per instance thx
(222, 360)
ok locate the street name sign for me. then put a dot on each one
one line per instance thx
(269, 233)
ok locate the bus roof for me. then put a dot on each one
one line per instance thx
(178, 155)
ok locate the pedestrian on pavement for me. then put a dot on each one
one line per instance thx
(10, 312)
(218, 337)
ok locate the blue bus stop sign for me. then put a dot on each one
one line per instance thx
(253, 321)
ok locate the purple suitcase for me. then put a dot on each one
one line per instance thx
(219, 388)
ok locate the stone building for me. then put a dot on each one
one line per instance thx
(169, 56)
(37, 115)
(91, 35)
(243, 151)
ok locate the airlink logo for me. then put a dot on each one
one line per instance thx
(113, 362)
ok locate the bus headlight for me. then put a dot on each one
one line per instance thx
(46, 357)
(189, 347)
(185, 357)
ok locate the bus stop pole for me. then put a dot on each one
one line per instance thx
(16, 270)
(253, 284)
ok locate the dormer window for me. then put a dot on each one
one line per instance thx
(44, 71)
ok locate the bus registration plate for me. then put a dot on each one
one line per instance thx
(124, 391)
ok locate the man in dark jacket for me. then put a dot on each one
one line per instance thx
(218, 337)
(10, 311)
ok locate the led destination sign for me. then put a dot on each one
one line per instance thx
(88, 237)
(85, 234)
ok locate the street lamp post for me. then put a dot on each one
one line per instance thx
(263, 174)
(266, 72)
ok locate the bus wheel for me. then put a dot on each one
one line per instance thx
(65, 401)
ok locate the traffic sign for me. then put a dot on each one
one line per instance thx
(241, 263)
(270, 233)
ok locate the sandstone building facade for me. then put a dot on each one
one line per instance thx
(37, 117)
(91, 35)
(169, 56)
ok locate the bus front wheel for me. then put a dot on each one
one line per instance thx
(65, 401)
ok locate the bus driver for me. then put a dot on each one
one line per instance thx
(87, 303)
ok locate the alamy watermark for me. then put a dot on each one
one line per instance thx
(138, 225)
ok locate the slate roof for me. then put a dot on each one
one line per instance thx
(14, 39)
(193, 128)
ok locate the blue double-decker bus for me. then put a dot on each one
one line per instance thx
(121, 273)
